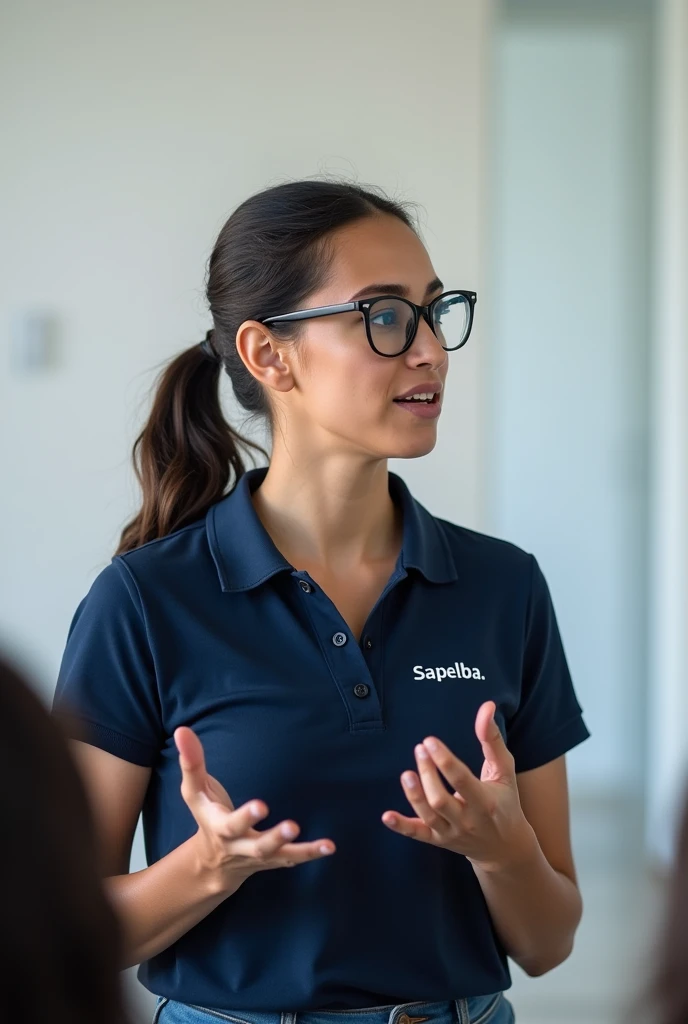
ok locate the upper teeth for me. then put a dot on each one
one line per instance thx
(425, 396)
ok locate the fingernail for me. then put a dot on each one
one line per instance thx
(432, 744)
(326, 850)
(422, 752)
(409, 780)
(288, 831)
(255, 811)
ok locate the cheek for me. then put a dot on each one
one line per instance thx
(346, 375)
(350, 402)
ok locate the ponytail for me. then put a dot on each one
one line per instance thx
(186, 453)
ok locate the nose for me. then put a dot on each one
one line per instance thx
(425, 349)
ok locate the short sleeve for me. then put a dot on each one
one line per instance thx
(106, 692)
(548, 721)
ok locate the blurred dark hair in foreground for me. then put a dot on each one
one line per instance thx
(59, 938)
(664, 999)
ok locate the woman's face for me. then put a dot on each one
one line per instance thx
(345, 397)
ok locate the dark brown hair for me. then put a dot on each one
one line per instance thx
(270, 255)
(60, 944)
(665, 999)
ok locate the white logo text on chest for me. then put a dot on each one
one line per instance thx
(456, 671)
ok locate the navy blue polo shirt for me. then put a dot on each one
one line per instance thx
(212, 628)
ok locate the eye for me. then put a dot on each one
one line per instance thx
(385, 317)
(443, 308)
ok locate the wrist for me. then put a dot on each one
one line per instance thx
(521, 851)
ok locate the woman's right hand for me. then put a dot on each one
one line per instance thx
(230, 848)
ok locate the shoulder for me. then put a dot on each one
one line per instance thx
(482, 544)
(484, 551)
(493, 564)
(173, 564)
(172, 556)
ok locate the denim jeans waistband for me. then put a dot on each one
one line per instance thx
(487, 1009)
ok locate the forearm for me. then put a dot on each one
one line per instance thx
(164, 901)
(535, 909)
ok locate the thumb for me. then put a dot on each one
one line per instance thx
(488, 732)
(192, 763)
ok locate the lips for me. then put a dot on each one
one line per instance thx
(424, 404)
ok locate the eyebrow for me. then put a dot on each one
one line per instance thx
(394, 289)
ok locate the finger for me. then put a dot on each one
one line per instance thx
(413, 828)
(458, 775)
(436, 794)
(269, 843)
(234, 824)
(417, 796)
(192, 764)
(495, 750)
(300, 853)
(276, 844)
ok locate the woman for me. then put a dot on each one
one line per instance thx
(304, 637)
(59, 939)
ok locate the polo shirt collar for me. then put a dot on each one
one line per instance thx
(245, 555)
(424, 545)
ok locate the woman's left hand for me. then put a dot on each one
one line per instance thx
(482, 818)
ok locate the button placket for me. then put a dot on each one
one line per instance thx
(345, 660)
(350, 661)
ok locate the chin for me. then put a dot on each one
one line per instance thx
(414, 449)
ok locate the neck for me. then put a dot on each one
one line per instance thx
(333, 511)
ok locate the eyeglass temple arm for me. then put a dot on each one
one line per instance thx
(310, 314)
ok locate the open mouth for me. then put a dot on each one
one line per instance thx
(422, 399)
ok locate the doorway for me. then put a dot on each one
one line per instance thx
(568, 365)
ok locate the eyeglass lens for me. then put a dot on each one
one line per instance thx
(392, 323)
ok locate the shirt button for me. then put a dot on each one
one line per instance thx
(361, 690)
(305, 586)
(339, 639)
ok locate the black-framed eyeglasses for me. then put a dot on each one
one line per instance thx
(392, 322)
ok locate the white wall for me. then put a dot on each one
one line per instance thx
(129, 132)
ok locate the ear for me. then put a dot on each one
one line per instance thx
(261, 354)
